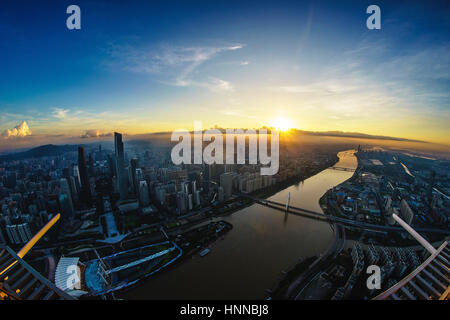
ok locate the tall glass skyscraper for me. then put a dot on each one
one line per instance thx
(85, 194)
(120, 165)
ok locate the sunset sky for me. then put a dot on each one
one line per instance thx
(144, 67)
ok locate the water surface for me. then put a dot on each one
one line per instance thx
(263, 242)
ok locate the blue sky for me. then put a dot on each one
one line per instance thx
(146, 66)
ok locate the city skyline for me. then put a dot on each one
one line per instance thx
(145, 68)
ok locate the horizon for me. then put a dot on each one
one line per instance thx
(157, 70)
(394, 143)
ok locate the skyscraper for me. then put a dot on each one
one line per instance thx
(206, 177)
(226, 182)
(134, 182)
(143, 193)
(85, 193)
(120, 165)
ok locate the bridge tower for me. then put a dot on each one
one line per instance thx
(287, 201)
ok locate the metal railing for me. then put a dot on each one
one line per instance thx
(429, 281)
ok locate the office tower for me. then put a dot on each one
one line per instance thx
(120, 165)
(13, 234)
(112, 165)
(91, 165)
(197, 198)
(206, 178)
(73, 192)
(66, 206)
(85, 194)
(226, 182)
(65, 188)
(76, 174)
(143, 193)
(19, 233)
(190, 202)
(25, 232)
(406, 212)
(181, 202)
(220, 194)
(66, 173)
(134, 181)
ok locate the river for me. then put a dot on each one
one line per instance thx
(262, 243)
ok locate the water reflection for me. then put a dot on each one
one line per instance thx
(262, 243)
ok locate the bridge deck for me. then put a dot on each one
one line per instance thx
(333, 219)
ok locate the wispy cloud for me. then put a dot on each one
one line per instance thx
(236, 113)
(375, 80)
(60, 113)
(181, 63)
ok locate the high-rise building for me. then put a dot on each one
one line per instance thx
(226, 182)
(134, 182)
(206, 178)
(85, 194)
(143, 193)
(120, 165)
(182, 200)
(20, 233)
(66, 206)
(405, 212)
(65, 188)
(197, 198)
(190, 202)
(13, 234)
(220, 194)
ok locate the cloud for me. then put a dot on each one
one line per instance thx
(236, 113)
(22, 130)
(60, 113)
(179, 63)
(244, 63)
(94, 133)
(216, 85)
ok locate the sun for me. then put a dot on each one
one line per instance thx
(282, 124)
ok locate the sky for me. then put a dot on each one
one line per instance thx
(149, 66)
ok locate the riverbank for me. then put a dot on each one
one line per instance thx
(285, 286)
(272, 190)
(263, 242)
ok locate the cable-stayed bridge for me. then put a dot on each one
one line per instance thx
(332, 219)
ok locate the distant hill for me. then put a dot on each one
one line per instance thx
(354, 135)
(41, 151)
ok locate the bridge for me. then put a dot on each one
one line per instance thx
(333, 219)
(343, 169)
(429, 281)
